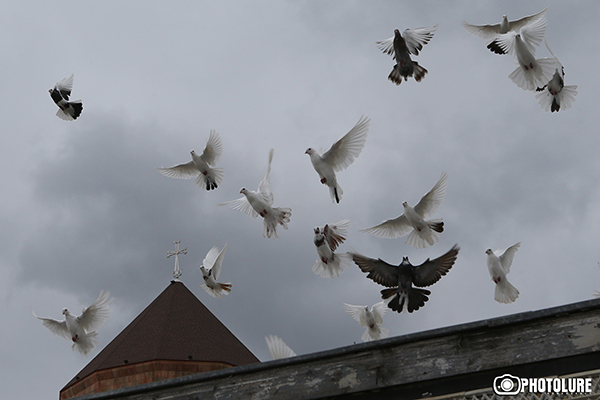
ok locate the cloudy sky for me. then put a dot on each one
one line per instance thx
(85, 209)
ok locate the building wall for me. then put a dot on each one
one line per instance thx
(138, 374)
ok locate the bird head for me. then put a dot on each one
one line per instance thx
(309, 151)
(396, 32)
(489, 251)
(405, 204)
(405, 261)
(65, 311)
(243, 190)
(50, 90)
(317, 230)
(193, 153)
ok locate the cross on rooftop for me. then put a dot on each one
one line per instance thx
(176, 253)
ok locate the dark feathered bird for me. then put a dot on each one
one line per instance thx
(401, 46)
(67, 110)
(401, 278)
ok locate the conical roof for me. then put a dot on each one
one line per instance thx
(175, 326)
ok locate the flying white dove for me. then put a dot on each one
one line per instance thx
(371, 319)
(499, 267)
(555, 94)
(422, 233)
(260, 202)
(278, 348)
(67, 110)
(327, 240)
(531, 73)
(200, 167)
(211, 269)
(401, 46)
(339, 157)
(81, 330)
(490, 33)
(402, 296)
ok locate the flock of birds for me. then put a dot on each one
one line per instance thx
(403, 283)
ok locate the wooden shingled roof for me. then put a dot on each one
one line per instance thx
(175, 326)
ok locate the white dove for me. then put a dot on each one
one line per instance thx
(67, 110)
(499, 267)
(278, 348)
(401, 46)
(370, 319)
(531, 72)
(555, 94)
(422, 233)
(341, 154)
(200, 167)
(491, 32)
(327, 240)
(260, 202)
(211, 269)
(81, 329)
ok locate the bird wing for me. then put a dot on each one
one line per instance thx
(519, 23)
(242, 204)
(485, 32)
(433, 199)
(343, 152)
(92, 317)
(379, 271)
(387, 46)
(181, 171)
(432, 271)
(278, 348)
(65, 86)
(356, 312)
(391, 228)
(417, 38)
(507, 257)
(264, 188)
(533, 33)
(214, 261)
(379, 310)
(213, 150)
(57, 327)
(336, 233)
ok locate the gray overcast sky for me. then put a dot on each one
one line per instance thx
(85, 209)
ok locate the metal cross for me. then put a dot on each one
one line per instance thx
(176, 253)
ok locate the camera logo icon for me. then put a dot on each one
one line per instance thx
(507, 385)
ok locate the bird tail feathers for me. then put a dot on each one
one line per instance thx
(412, 300)
(336, 192)
(334, 267)
(419, 72)
(505, 292)
(85, 343)
(224, 289)
(426, 237)
(212, 180)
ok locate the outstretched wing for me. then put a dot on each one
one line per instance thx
(433, 199)
(417, 38)
(335, 234)
(65, 86)
(391, 228)
(378, 270)
(181, 171)
(507, 257)
(264, 188)
(357, 313)
(214, 260)
(343, 152)
(57, 327)
(432, 271)
(92, 317)
(213, 150)
(278, 348)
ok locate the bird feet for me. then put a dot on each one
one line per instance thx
(323, 180)
(75, 338)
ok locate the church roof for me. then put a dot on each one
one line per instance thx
(175, 326)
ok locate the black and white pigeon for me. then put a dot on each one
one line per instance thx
(412, 221)
(278, 348)
(81, 330)
(401, 46)
(490, 33)
(326, 240)
(369, 318)
(211, 269)
(340, 156)
(555, 95)
(530, 73)
(260, 203)
(499, 267)
(401, 295)
(201, 167)
(67, 110)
